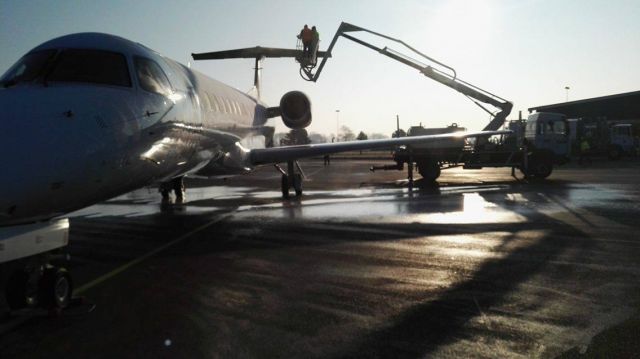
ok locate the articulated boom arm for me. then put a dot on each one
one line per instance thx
(445, 78)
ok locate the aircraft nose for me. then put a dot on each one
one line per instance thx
(42, 153)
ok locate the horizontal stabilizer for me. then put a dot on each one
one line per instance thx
(252, 53)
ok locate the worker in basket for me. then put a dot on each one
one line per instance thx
(306, 35)
(315, 40)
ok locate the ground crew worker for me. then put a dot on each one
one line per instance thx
(584, 151)
(306, 35)
(315, 39)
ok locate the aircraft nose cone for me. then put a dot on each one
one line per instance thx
(40, 152)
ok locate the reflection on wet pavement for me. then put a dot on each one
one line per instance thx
(498, 268)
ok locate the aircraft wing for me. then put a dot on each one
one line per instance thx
(281, 154)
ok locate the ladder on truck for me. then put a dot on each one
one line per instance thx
(445, 75)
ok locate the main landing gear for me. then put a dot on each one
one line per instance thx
(291, 178)
(177, 186)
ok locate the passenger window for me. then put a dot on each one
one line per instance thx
(151, 77)
(227, 105)
(93, 66)
(205, 100)
(214, 102)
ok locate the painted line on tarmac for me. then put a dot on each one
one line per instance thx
(26, 314)
(132, 263)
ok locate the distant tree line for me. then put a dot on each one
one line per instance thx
(302, 137)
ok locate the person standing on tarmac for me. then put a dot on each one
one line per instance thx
(306, 35)
(585, 156)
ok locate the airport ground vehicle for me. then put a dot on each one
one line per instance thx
(613, 140)
(534, 146)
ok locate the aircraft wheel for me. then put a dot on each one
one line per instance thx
(55, 288)
(177, 185)
(297, 184)
(21, 292)
(165, 194)
(285, 186)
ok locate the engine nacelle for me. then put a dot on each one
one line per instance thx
(295, 110)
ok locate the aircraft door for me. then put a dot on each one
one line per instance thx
(553, 135)
(559, 137)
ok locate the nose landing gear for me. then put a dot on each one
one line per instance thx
(177, 186)
(29, 253)
(44, 286)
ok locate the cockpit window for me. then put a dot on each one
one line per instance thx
(28, 68)
(94, 66)
(151, 76)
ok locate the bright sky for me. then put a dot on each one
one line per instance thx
(526, 51)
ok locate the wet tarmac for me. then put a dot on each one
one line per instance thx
(483, 265)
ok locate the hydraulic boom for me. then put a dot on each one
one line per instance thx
(448, 78)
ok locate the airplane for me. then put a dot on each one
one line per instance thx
(89, 116)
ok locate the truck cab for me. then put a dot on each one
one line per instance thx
(549, 132)
(620, 140)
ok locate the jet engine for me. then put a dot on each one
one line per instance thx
(295, 110)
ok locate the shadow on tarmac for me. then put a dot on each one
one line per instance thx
(436, 321)
(424, 327)
(418, 330)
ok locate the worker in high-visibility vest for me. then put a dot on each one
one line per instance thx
(585, 150)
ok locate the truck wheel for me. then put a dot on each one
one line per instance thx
(55, 288)
(540, 165)
(614, 153)
(20, 292)
(429, 170)
(542, 169)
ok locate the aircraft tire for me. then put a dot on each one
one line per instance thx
(18, 292)
(297, 184)
(177, 185)
(165, 194)
(55, 288)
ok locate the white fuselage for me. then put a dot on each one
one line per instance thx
(68, 141)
